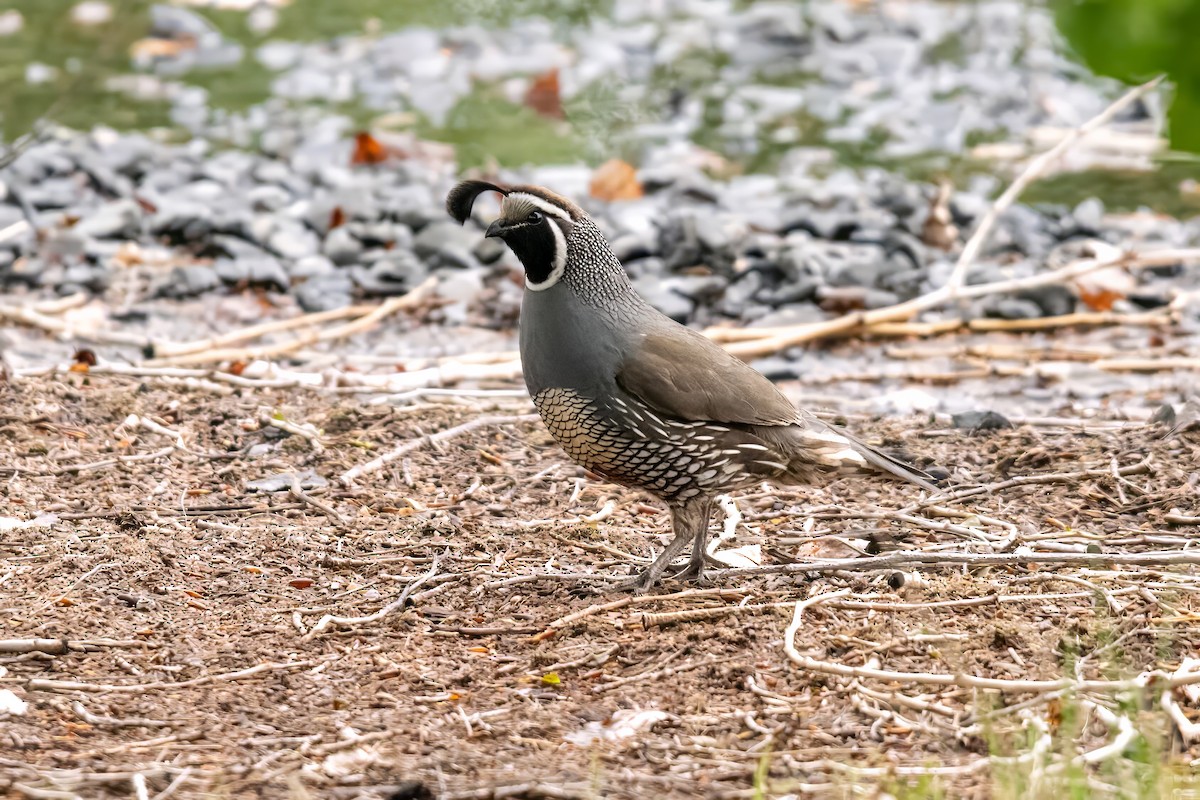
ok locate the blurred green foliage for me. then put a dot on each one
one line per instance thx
(1134, 40)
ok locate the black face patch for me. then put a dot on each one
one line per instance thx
(536, 247)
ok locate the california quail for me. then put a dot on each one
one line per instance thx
(638, 398)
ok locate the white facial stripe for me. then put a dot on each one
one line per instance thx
(560, 259)
(542, 205)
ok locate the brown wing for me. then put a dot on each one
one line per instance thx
(684, 375)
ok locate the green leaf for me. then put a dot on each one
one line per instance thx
(1134, 40)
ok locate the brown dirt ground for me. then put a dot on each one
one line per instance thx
(192, 575)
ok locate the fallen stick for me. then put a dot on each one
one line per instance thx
(410, 299)
(1150, 319)
(58, 647)
(912, 558)
(855, 321)
(46, 685)
(169, 349)
(1031, 173)
(390, 608)
(349, 476)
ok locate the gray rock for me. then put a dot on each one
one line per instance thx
(857, 267)
(291, 239)
(645, 268)
(1089, 216)
(489, 251)
(395, 273)
(181, 221)
(52, 193)
(980, 421)
(660, 295)
(1012, 308)
(325, 292)
(632, 246)
(463, 288)
(1053, 301)
(281, 482)
(801, 290)
(89, 277)
(189, 281)
(120, 219)
(63, 245)
(268, 198)
(777, 369)
(310, 267)
(341, 247)
(446, 244)
(382, 233)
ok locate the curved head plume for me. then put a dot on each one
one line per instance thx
(462, 197)
(534, 222)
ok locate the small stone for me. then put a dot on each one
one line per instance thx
(1089, 216)
(181, 222)
(280, 482)
(91, 12)
(325, 292)
(341, 247)
(11, 22)
(38, 73)
(980, 421)
(489, 251)
(1012, 308)
(189, 281)
(446, 244)
(120, 219)
(667, 301)
(291, 239)
(777, 369)
(395, 273)
(310, 267)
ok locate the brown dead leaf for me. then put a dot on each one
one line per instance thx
(300, 583)
(368, 150)
(337, 218)
(615, 180)
(85, 356)
(1099, 301)
(543, 95)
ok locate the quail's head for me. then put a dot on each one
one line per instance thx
(535, 223)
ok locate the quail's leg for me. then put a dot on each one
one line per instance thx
(685, 519)
(694, 571)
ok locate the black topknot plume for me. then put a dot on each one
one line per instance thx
(462, 197)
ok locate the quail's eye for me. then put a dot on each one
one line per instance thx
(534, 216)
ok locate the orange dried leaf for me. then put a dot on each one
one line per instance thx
(237, 368)
(64, 601)
(253, 570)
(368, 150)
(543, 95)
(1099, 301)
(78, 366)
(198, 492)
(615, 180)
(337, 218)
(479, 650)
(191, 593)
(300, 583)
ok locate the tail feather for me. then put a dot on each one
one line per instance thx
(833, 447)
